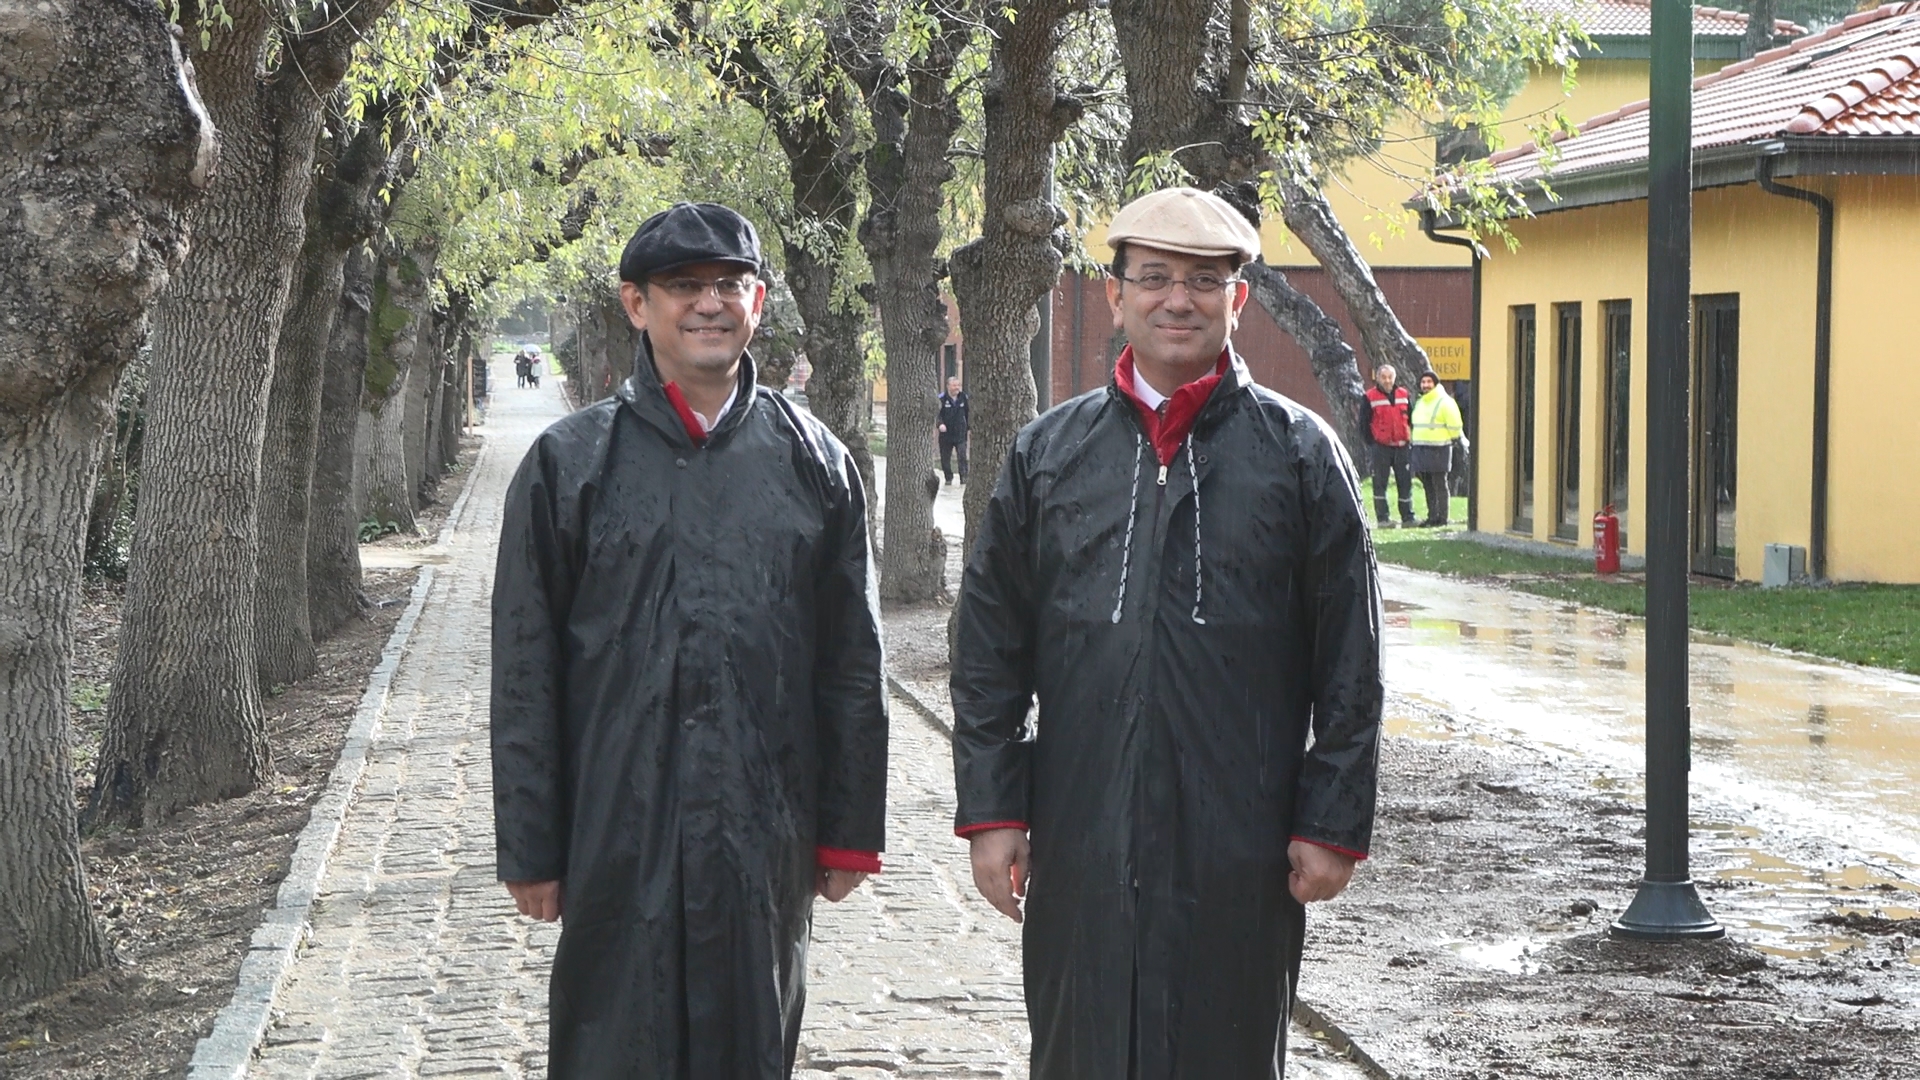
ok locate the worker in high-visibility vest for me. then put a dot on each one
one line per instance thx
(1436, 427)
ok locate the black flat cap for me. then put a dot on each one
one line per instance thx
(689, 232)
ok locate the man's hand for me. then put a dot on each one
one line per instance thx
(943, 427)
(1000, 858)
(1318, 873)
(836, 884)
(536, 899)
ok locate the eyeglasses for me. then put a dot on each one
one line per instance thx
(1199, 284)
(726, 288)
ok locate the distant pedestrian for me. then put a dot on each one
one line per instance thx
(1436, 428)
(1177, 567)
(534, 365)
(689, 714)
(953, 429)
(1390, 427)
(522, 364)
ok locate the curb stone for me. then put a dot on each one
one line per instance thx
(1305, 1013)
(227, 1051)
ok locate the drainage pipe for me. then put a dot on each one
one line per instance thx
(1473, 368)
(1822, 359)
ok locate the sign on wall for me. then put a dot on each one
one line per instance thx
(1451, 357)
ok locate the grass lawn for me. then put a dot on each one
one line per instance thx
(1878, 625)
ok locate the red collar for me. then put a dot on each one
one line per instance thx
(1166, 433)
(696, 430)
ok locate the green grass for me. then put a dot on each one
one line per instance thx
(1877, 625)
(1456, 506)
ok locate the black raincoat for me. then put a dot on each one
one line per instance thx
(687, 702)
(1182, 649)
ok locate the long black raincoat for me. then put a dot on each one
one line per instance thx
(1184, 629)
(687, 702)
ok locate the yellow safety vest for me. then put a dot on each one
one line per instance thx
(1436, 419)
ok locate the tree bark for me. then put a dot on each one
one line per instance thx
(1305, 210)
(333, 543)
(184, 722)
(342, 211)
(114, 478)
(402, 291)
(1327, 350)
(914, 118)
(1759, 37)
(999, 277)
(103, 144)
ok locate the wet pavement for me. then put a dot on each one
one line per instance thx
(1790, 754)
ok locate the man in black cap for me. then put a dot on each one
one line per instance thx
(689, 721)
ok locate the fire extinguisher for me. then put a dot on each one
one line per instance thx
(1606, 541)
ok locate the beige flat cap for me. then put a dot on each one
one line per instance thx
(1187, 220)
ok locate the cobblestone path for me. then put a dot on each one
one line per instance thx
(418, 966)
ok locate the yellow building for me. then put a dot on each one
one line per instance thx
(1827, 128)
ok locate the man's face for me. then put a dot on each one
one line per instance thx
(1176, 328)
(699, 317)
(1427, 384)
(1385, 377)
(953, 385)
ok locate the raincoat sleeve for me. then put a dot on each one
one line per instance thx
(533, 588)
(850, 703)
(993, 663)
(1335, 802)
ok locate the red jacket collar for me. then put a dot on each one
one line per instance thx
(1182, 407)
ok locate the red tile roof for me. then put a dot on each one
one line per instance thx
(1861, 77)
(1634, 18)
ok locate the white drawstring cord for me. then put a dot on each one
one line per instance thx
(1133, 509)
(1193, 473)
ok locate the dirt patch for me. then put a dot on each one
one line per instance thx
(179, 902)
(1474, 942)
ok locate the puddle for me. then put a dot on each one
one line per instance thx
(1812, 747)
(1515, 957)
(1798, 912)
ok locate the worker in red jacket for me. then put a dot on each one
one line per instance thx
(1390, 428)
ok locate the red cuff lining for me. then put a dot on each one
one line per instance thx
(1349, 852)
(864, 862)
(969, 830)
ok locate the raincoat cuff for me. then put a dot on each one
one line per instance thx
(1348, 852)
(833, 858)
(969, 830)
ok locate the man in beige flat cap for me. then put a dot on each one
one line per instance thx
(1177, 566)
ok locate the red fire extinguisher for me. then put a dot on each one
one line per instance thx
(1606, 541)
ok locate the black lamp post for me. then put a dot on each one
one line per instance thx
(1667, 906)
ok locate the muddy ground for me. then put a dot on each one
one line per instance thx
(179, 902)
(1473, 945)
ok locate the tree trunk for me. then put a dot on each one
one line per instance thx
(432, 468)
(342, 211)
(184, 722)
(114, 479)
(284, 634)
(333, 542)
(1000, 277)
(401, 292)
(1308, 216)
(1327, 350)
(423, 374)
(103, 144)
(606, 342)
(907, 170)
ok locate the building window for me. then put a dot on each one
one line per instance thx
(1523, 381)
(950, 359)
(1566, 422)
(1616, 405)
(1716, 415)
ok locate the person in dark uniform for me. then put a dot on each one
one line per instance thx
(689, 716)
(1177, 567)
(953, 429)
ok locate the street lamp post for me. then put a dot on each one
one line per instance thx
(1667, 907)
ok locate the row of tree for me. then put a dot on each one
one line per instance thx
(392, 174)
